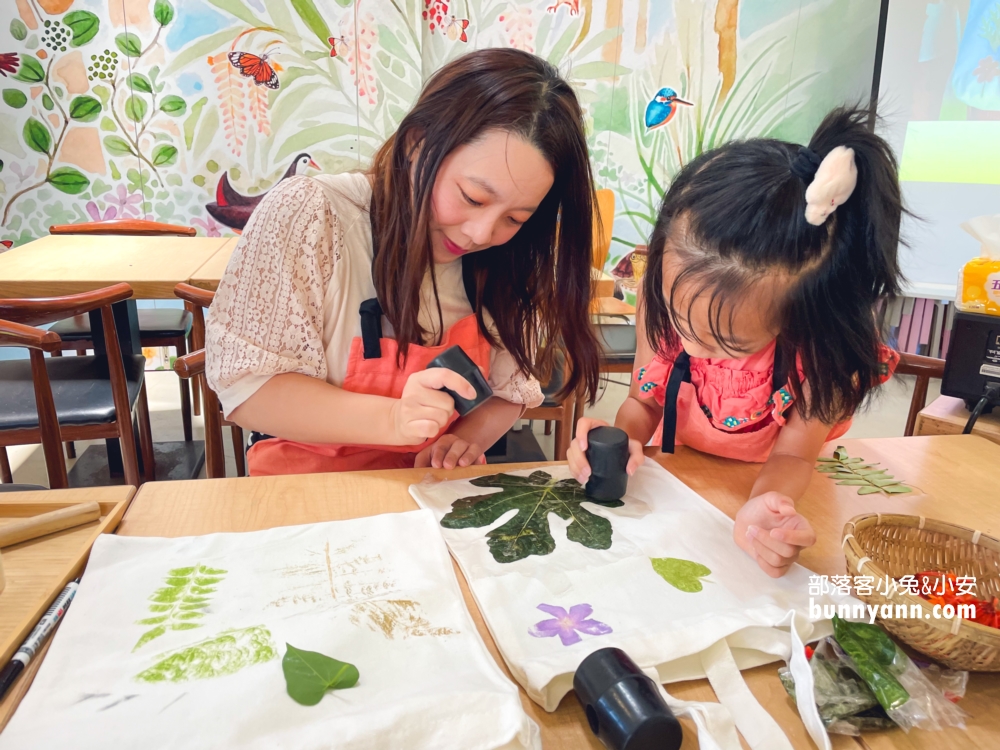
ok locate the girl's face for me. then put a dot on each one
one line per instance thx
(748, 323)
(484, 192)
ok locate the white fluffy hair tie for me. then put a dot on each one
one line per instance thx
(834, 181)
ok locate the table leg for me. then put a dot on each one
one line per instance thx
(126, 316)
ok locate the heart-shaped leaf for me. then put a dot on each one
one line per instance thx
(684, 575)
(308, 675)
(84, 26)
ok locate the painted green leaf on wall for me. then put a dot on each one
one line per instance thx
(163, 12)
(18, 30)
(84, 108)
(84, 26)
(69, 180)
(173, 105)
(37, 136)
(14, 98)
(31, 70)
(135, 108)
(139, 82)
(164, 154)
(117, 146)
(129, 44)
(310, 16)
(533, 497)
(684, 575)
(309, 674)
(47, 102)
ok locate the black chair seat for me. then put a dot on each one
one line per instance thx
(555, 383)
(21, 487)
(617, 343)
(81, 388)
(165, 323)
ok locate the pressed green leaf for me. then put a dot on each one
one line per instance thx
(129, 44)
(84, 26)
(855, 482)
(534, 497)
(135, 108)
(84, 108)
(311, 17)
(173, 105)
(827, 459)
(850, 461)
(162, 155)
(31, 70)
(37, 136)
(897, 489)
(308, 675)
(149, 636)
(18, 30)
(139, 82)
(883, 482)
(14, 98)
(868, 490)
(685, 575)
(840, 454)
(163, 12)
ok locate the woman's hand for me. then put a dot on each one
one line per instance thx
(577, 453)
(772, 533)
(423, 409)
(447, 452)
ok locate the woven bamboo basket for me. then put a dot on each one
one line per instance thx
(881, 545)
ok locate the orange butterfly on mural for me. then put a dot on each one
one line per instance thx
(255, 67)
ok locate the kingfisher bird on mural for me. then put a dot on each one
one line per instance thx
(662, 108)
(233, 208)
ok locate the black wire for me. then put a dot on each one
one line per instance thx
(992, 395)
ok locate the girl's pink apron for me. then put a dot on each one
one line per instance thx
(373, 368)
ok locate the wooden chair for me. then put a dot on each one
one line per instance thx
(48, 400)
(924, 368)
(157, 327)
(604, 219)
(193, 366)
(618, 344)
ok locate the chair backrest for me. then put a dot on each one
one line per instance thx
(17, 320)
(135, 227)
(604, 219)
(924, 368)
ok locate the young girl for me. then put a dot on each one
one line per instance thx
(343, 288)
(757, 335)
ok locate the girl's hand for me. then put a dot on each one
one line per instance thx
(772, 533)
(423, 410)
(447, 452)
(577, 453)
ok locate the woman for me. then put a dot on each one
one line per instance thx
(343, 288)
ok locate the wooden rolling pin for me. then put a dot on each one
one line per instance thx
(57, 520)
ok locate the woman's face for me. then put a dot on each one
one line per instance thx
(484, 192)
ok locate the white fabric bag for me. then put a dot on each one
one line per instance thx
(377, 592)
(548, 612)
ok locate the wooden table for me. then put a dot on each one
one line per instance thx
(955, 477)
(69, 264)
(947, 416)
(210, 273)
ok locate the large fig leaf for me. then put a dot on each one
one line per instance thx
(533, 497)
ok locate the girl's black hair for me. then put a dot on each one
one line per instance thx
(737, 214)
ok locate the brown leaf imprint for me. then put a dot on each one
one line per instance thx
(395, 617)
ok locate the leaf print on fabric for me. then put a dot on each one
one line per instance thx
(226, 653)
(859, 473)
(568, 625)
(684, 575)
(534, 497)
(179, 604)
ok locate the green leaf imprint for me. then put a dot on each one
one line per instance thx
(856, 472)
(226, 653)
(308, 675)
(684, 575)
(534, 497)
(173, 604)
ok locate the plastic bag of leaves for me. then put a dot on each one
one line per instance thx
(846, 705)
(908, 697)
(949, 681)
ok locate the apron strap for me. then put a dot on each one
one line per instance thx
(371, 328)
(680, 373)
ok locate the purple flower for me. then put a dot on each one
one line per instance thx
(95, 212)
(212, 229)
(566, 624)
(127, 205)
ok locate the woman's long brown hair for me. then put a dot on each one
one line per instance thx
(538, 306)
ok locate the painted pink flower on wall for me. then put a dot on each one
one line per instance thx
(211, 227)
(95, 212)
(127, 205)
(568, 625)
